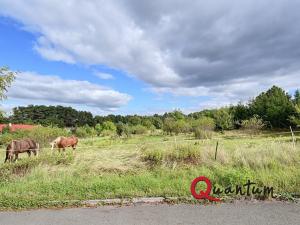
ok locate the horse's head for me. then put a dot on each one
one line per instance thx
(55, 142)
(52, 144)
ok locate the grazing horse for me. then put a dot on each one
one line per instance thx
(63, 142)
(21, 146)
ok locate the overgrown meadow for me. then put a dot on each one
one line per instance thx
(137, 156)
(149, 164)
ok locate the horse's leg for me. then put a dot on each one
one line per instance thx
(29, 153)
(37, 149)
(7, 157)
(16, 157)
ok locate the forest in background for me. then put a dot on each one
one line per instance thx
(274, 108)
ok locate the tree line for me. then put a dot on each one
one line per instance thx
(272, 109)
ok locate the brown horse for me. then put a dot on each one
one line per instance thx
(21, 146)
(63, 142)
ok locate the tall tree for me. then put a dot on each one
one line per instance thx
(274, 106)
(297, 97)
(240, 112)
(52, 115)
(295, 119)
(6, 78)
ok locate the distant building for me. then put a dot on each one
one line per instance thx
(14, 127)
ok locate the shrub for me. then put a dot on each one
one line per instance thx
(181, 126)
(168, 125)
(81, 132)
(205, 123)
(5, 130)
(122, 129)
(138, 129)
(203, 127)
(90, 131)
(147, 123)
(184, 154)
(85, 131)
(224, 119)
(175, 126)
(178, 154)
(157, 122)
(98, 129)
(108, 125)
(107, 128)
(199, 133)
(253, 125)
(153, 156)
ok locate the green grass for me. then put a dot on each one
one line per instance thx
(147, 166)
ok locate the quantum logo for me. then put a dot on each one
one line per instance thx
(248, 189)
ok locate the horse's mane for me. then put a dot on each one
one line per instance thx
(58, 139)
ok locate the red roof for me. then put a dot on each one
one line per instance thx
(14, 127)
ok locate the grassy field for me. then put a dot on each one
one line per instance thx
(147, 165)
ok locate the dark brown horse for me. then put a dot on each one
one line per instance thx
(20, 146)
(63, 142)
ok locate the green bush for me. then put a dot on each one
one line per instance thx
(183, 153)
(109, 126)
(98, 129)
(172, 126)
(153, 156)
(138, 129)
(253, 125)
(205, 123)
(81, 132)
(85, 131)
(199, 133)
(122, 129)
(5, 130)
(203, 127)
(224, 119)
(178, 154)
(168, 125)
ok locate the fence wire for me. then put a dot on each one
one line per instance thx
(168, 141)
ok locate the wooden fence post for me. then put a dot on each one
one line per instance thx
(216, 150)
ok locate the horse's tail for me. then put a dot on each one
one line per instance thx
(9, 146)
(6, 158)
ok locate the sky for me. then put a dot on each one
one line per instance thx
(146, 57)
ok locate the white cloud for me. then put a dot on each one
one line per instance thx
(44, 48)
(103, 76)
(227, 48)
(92, 32)
(53, 89)
(243, 89)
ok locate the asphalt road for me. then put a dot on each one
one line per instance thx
(271, 213)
